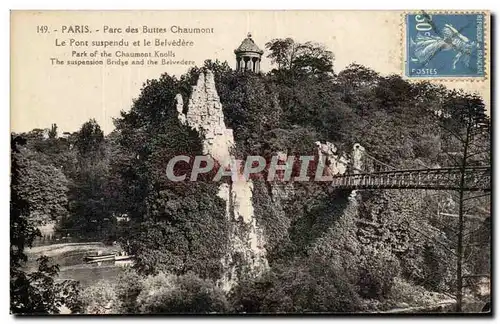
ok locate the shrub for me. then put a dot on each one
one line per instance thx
(248, 296)
(308, 285)
(181, 294)
(378, 268)
(100, 298)
(405, 292)
(129, 285)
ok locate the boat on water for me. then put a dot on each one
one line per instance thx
(103, 257)
(117, 256)
(124, 257)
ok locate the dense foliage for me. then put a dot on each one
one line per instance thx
(159, 294)
(34, 292)
(176, 226)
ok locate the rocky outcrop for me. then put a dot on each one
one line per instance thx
(205, 114)
(246, 255)
(337, 163)
(358, 154)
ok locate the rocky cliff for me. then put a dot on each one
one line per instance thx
(246, 255)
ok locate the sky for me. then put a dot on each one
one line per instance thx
(43, 93)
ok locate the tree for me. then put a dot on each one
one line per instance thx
(466, 129)
(55, 151)
(35, 292)
(90, 142)
(300, 58)
(308, 285)
(353, 78)
(53, 131)
(176, 226)
(159, 294)
(251, 107)
(45, 189)
(282, 52)
(90, 214)
(22, 232)
(100, 298)
(314, 59)
(164, 294)
(38, 293)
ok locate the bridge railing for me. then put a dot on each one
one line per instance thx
(476, 178)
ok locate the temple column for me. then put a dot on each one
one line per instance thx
(248, 56)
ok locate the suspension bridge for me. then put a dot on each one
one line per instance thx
(475, 178)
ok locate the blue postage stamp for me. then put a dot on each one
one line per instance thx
(445, 45)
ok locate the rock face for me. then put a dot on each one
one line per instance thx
(357, 158)
(247, 255)
(205, 115)
(336, 163)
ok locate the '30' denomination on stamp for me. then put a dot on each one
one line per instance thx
(445, 45)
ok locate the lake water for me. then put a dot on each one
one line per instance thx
(70, 257)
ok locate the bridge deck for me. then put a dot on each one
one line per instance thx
(476, 179)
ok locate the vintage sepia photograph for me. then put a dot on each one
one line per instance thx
(250, 162)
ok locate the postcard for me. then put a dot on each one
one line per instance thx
(250, 162)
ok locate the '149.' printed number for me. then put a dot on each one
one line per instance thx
(42, 29)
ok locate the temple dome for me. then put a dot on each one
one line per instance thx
(248, 45)
(248, 55)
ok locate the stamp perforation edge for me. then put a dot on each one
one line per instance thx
(446, 79)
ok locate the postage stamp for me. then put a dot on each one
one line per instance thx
(445, 45)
